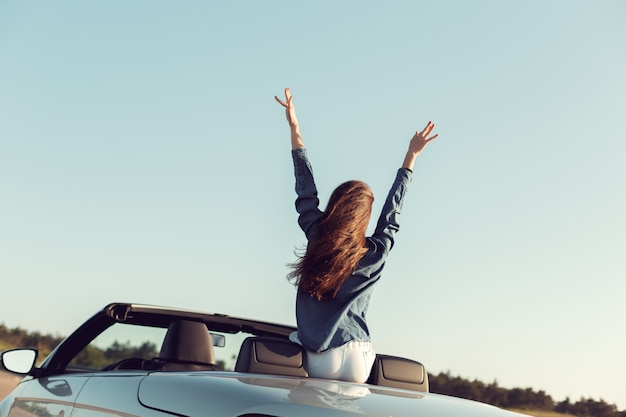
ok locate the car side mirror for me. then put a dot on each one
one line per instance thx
(19, 361)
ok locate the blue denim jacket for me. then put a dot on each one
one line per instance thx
(326, 324)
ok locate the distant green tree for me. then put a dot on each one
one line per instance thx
(455, 386)
(541, 401)
(95, 358)
(564, 407)
(592, 408)
(91, 357)
(463, 388)
(118, 351)
(17, 337)
(495, 395)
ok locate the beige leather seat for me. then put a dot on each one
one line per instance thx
(187, 347)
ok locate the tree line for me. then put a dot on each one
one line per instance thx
(17, 337)
(518, 398)
(443, 383)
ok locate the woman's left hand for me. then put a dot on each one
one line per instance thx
(417, 145)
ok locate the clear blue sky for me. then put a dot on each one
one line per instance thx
(143, 158)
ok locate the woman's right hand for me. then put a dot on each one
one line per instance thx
(290, 110)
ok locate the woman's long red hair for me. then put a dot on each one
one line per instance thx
(338, 245)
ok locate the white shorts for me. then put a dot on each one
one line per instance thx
(350, 362)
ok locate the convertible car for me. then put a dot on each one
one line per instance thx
(133, 360)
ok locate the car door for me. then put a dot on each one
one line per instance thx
(111, 394)
(52, 396)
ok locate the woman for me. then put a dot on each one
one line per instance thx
(336, 275)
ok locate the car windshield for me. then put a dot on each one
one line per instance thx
(122, 341)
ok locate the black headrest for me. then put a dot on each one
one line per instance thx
(270, 355)
(397, 372)
(188, 341)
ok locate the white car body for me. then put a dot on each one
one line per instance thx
(55, 389)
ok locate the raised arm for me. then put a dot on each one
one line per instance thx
(290, 111)
(417, 145)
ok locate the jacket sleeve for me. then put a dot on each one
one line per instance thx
(307, 202)
(387, 224)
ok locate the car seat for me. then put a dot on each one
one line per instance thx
(187, 346)
(270, 355)
(397, 372)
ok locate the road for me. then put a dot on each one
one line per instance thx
(7, 383)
